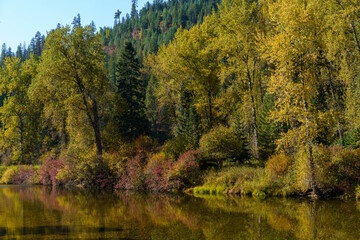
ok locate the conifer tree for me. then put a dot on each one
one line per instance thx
(131, 89)
(188, 120)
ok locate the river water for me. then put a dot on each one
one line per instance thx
(46, 213)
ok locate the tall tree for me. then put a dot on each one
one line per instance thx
(76, 21)
(117, 18)
(131, 89)
(190, 58)
(72, 69)
(239, 27)
(19, 116)
(134, 4)
(297, 57)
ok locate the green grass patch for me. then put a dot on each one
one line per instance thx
(251, 181)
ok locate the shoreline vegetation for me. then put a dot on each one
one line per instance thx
(149, 170)
(245, 97)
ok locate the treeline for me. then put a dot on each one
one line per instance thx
(150, 27)
(22, 52)
(259, 83)
(280, 75)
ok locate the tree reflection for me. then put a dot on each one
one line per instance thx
(48, 213)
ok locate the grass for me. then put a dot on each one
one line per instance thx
(251, 181)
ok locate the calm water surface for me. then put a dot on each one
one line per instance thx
(46, 213)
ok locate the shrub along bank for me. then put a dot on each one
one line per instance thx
(142, 165)
(136, 166)
(337, 173)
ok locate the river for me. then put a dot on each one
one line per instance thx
(47, 213)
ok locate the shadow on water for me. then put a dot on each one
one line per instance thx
(46, 213)
(63, 230)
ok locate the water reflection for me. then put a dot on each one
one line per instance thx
(46, 213)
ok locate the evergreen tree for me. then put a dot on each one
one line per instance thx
(77, 21)
(189, 124)
(3, 54)
(133, 9)
(131, 89)
(117, 18)
(151, 108)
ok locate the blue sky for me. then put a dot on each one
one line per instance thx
(21, 19)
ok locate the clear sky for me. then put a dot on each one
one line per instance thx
(21, 19)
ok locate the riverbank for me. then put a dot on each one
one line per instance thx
(244, 181)
(143, 166)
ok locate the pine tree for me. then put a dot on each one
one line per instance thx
(131, 89)
(77, 21)
(117, 18)
(3, 54)
(188, 120)
(133, 9)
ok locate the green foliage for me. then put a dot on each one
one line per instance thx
(338, 169)
(176, 146)
(189, 120)
(244, 181)
(221, 144)
(131, 89)
(19, 115)
(72, 83)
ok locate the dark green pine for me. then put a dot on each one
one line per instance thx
(131, 88)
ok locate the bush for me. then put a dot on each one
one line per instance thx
(338, 169)
(2, 170)
(145, 144)
(221, 143)
(26, 175)
(133, 176)
(86, 169)
(175, 147)
(156, 172)
(186, 171)
(48, 172)
(8, 175)
(278, 164)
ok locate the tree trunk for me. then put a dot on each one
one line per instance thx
(96, 127)
(210, 111)
(355, 36)
(253, 113)
(93, 116)
(352, 24)
(21, 129)
(312, 181)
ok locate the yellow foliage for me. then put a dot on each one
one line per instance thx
(278, 163)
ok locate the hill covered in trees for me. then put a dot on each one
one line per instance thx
(263, 91)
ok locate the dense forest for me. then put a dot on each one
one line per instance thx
(239, 96)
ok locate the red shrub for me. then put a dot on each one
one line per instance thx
(133, 177)
(186, 171)
(48, 172)
(156, 172)
(25, 175)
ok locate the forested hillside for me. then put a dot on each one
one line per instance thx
(152, 26)
(264, 92)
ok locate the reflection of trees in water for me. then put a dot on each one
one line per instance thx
(300, 219)
(39, 211)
